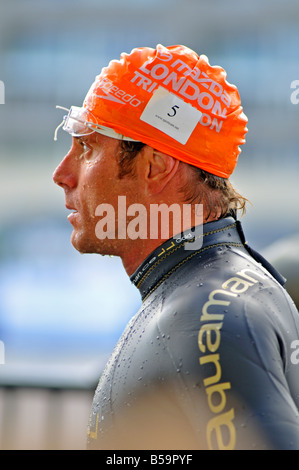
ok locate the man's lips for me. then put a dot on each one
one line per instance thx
(71, 208)
(73, 214)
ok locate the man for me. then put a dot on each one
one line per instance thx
(207, 361)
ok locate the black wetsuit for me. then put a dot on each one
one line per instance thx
(208, 362)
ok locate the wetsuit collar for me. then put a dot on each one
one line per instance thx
(165, 259)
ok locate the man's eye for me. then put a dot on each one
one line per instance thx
(84, 146)
(86, 149)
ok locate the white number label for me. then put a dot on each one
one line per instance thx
(171, 115)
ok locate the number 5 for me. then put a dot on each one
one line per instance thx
(174, 111)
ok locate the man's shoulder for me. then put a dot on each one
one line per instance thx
(227, 268)
(226, 277)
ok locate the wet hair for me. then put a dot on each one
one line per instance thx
(128, 153)
(217, 194)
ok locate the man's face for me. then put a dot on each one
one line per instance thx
(89, 176)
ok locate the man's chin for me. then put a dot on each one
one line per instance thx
(81, 243)
(84, 245)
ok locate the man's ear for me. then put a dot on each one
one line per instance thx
(158, 169)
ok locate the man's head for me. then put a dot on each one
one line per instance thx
(158, 125)
(173, 100)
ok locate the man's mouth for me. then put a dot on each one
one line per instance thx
(71, 208)
(72, 216)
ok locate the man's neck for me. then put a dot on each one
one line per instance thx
(136, 254)
(138, 250)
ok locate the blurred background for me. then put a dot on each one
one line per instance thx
(60, 312)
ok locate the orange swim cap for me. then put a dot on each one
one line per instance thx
(175, 101)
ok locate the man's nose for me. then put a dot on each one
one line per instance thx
(65, 174)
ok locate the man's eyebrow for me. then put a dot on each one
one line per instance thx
(82, 138)
(85, 139)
